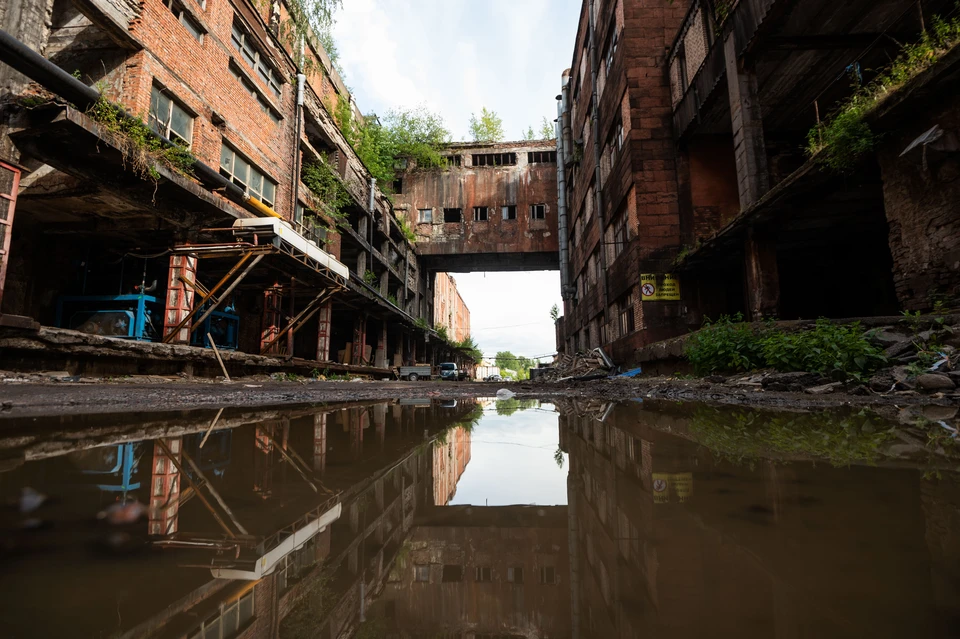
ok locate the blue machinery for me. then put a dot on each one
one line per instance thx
(121, 463)
(131, 316)
(139, 317)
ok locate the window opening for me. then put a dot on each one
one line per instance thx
(509, 212)
(479, 214)
(451, 216)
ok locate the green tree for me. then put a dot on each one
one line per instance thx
(529, 134)
(487, 128)
(555, 313)
(547, 131)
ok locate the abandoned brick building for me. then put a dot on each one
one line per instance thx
(107, 242)
(686, 190)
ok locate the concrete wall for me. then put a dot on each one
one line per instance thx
(920, 198)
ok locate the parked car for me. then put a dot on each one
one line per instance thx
(493, 378)
(414, 373)
(449, 372)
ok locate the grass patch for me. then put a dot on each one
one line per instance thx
(841, 139)
(731, 345)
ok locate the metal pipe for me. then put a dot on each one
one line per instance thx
(562, 207)
(597, 188)
(22, 58)
(566, 125)
(229, 290)
(295, 179)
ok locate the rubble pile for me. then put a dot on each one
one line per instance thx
(579, 367)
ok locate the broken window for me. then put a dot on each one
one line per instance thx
(188, 21)
(515, 574)
(542, 157)
(625, 308)
(452, 573)
(620, 234)
(538, 212)
(398, 186)
(598, 273)
(421, 573)
(239, 171)
(452, 216)
(509, 212)
(262, 101)
(612, 47)
(425, 216)
(602, 323)
(243, 42)
(479, 214)
(453, 160)
(484, 574)
(494, 159)
(169, 119)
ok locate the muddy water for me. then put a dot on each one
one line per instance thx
(428, 518)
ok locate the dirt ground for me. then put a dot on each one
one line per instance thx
(27, 396)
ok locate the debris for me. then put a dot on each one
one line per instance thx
(505, 393)
(31, 499)
(595, 365)
(824, 389)
(632, 373)
(935, 382)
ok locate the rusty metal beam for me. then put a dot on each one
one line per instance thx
(196, 489)
(213, 491)
(227, 292)
(203, 300)
(297, 322)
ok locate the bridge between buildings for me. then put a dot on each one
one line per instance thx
(492, 208)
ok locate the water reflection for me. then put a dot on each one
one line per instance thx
(413, 519)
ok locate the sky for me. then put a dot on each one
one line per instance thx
(456, 56)
(511, 461)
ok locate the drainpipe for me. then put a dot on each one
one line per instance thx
(22, 58)
(371, 207)
(562, 205)
(295, 178)
(598, 191)
(566, 125)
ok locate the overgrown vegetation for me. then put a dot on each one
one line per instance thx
(385, 145)
(555, 313)
(546, 131)
(486, 128)
(406, 229)
(324, 183)
(840, 140)
(139, 145)
(731, 345)
(306, 16)
(470, 347)
(745, 434)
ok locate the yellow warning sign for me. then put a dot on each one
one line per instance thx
(659, 287)
(672, 487)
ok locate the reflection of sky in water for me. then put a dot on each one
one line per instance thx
(512, 461)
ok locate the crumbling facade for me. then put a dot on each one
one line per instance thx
(101, 218)
(688, 190)
(493, 207)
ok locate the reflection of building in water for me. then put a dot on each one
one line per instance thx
(263, 465)
(450, 459)
(481, 572)
(667, 540)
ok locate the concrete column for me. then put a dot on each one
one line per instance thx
(324, 318)
(762, 276)
(272, 318)
(164, 486)
(753, 177)
(359, 339)
(320, 443)
(385, 283)
(179, 296)
(381, 356)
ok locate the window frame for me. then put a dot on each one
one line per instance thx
(509, 212)
(250, 52)
(420, 570)
(538, 211)
(262, 100)
(494, 159)
(161, 92)
(450, 211)
(252, 170)
(481, 214)
(186, 18)
(421, 219)
(626, 320)
(621, 236)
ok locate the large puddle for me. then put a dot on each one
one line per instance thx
(478, 520)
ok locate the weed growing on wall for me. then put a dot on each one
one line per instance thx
(327, 186)
(731, 345)
(139, 145)
(406, 230)
(840, 140)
